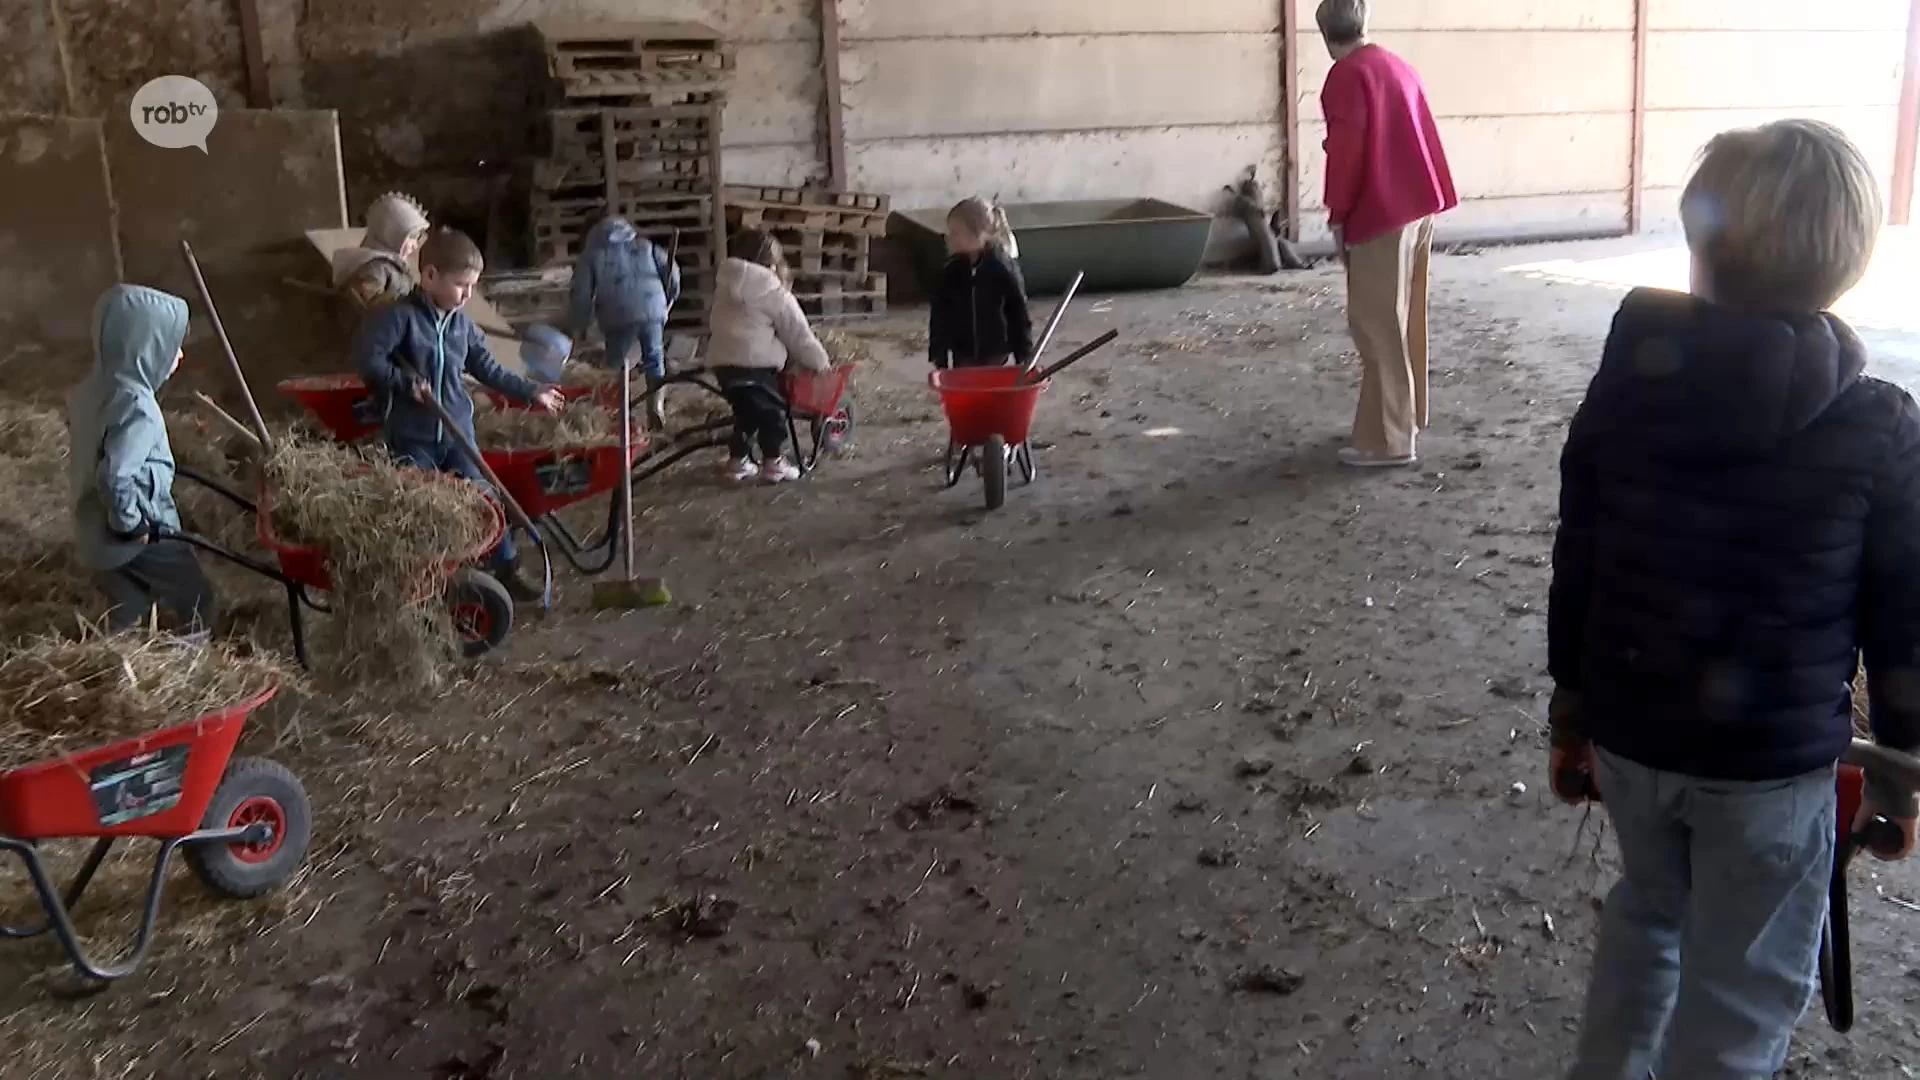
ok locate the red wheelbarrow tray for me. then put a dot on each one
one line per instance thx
(332, 399)
(54, 799)
(519, 470)
(307, 565)
(983, 402)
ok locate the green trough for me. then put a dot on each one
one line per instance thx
(1121, 244)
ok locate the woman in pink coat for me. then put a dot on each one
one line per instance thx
(1387, 177)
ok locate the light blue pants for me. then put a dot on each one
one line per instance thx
(1710, 942)
(651, 339)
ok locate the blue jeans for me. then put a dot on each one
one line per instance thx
(650, 336)
(1710, 942)
(447, 457)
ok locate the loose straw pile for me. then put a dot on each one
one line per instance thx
(61, 695)
(42, 588)
(391, 535)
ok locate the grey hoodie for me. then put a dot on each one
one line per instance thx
(120, 470)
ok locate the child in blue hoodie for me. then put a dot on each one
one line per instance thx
(121, 466)
(626, 284)
(1739, 527)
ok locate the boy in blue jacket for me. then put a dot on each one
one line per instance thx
(121, 466)
(626, 283)
(420, 349)
(1740, 526)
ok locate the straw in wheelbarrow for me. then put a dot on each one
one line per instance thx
(584, 422)
(391, 535)
(61, 695)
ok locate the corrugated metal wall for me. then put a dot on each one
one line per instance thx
(1719, 64)
(1042, 100)
(1534, 100)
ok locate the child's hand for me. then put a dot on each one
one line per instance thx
(549, 401)
(1861, 821)
(422, 393)
(1570, 773)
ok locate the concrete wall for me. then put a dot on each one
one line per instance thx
(1042, 100)
(1535, 104)
(1719, 64)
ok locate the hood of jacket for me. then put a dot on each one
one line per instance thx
(114, 413)
(747, 283)
(390, 220)
(1696, 378)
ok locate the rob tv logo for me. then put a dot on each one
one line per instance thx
(174, 111)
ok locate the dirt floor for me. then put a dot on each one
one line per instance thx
(1202, 758)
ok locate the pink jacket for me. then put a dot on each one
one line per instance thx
(1385, 165)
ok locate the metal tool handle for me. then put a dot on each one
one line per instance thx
(1053, 321)
(626, 456)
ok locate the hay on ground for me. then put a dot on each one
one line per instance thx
(62, 695)
(584, 422)
(844, 347)
(392, 536)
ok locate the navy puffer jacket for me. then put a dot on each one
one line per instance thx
(1740, 521)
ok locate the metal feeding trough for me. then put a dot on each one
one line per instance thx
(1121, 244)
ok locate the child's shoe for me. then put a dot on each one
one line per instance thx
(740, 469)
(778, 471)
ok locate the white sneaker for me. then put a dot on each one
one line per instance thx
(778, 471)
(1360, 459)
(741, 469)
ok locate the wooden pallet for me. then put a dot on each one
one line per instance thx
(627, 90)
(833, 299)
(692, 176)
(656, 44)
(817, 219)
(745, 195)
(811, 253)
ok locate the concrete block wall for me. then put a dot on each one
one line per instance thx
(1719, 64)
(1534, 99)
(1051, 100)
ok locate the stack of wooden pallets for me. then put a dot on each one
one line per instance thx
(827, 237)
(634, 130)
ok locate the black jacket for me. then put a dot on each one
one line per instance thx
(980, 312)
(1740, 520)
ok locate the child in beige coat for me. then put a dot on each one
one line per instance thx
(757, 330)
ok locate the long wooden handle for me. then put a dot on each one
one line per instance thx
(226, 346)
(514, 512)
(1075, 356)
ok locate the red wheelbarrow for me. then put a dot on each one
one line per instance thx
(990, 413)
(243, 823)
(341, 403)
(481, 606)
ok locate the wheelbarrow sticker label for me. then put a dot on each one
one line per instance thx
(139, 786)
(567, 476)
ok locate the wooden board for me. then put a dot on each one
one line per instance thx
(502, 338)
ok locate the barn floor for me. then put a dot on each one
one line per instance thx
(1201, 759)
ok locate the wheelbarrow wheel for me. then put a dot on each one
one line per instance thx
(254, 792)
(482, 611)
(834, 433)
(993, 469)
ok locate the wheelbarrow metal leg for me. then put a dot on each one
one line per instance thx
(75, 890)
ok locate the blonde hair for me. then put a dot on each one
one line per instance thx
(1782, 217)
(985, 219)
(1342, 22)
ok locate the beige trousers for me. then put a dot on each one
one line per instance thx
(1387, 315)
